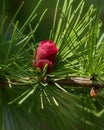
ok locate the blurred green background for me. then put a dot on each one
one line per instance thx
(44, 28)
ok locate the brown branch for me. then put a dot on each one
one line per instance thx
(69, 81)
(80, 81)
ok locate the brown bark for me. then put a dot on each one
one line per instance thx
(80, 81)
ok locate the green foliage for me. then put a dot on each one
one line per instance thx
(32, 100)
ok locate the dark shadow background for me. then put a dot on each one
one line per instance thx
(44, 28)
